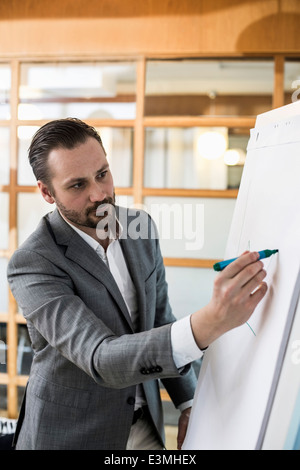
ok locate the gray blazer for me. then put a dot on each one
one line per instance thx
(87, 357)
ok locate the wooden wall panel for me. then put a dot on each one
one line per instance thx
(157, 27)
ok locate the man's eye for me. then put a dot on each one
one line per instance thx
(77, 186)
(102, 174)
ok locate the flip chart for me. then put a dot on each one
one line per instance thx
(236, 379)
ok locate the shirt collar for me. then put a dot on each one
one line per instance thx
(87, 238)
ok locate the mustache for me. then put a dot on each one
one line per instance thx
(108, 200)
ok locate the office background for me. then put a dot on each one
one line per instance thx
(174, 88)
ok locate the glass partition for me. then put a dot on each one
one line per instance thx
(4, 221)
(291, 80)
(90, 90)
(187, 226)
(5, 86)
(124, 201)
(3, 285)
(209, 87)
(5, 153)
(31, 208)
(189, 289)
(118, 144)
(194, 158)
(25, 174)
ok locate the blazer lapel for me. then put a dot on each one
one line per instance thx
(81, 253)
(135, 269)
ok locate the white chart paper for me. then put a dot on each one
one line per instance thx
(238, 369)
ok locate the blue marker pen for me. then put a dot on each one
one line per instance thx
(262, 254)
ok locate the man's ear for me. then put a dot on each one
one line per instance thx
(45, 192)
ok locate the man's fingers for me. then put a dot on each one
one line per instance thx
(240, 263)
(259, 294)
(246, 272)
(252, 282)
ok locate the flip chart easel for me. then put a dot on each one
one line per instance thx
(238, 382)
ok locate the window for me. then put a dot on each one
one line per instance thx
(223, 87)
(5, 85)
(84, 90)
(291, 80)
(194, 157)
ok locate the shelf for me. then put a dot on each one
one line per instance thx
(190, 262)
(199, 121)
(209, 193)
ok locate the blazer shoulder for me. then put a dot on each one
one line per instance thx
(41, 242)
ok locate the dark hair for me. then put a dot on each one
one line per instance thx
(61, 133)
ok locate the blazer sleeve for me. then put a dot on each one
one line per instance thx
(45, 294)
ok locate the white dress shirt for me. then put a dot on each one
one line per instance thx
(184, 347)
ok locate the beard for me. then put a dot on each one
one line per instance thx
(91, 216)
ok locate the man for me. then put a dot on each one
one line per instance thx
(91, 284)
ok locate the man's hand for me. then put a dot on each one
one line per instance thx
(237, 291)
(182, 426)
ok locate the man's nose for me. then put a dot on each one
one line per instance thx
(97, 193)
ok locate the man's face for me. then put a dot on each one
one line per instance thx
(80, 181)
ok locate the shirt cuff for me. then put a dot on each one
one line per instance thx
(184, 347)
(185, 405)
